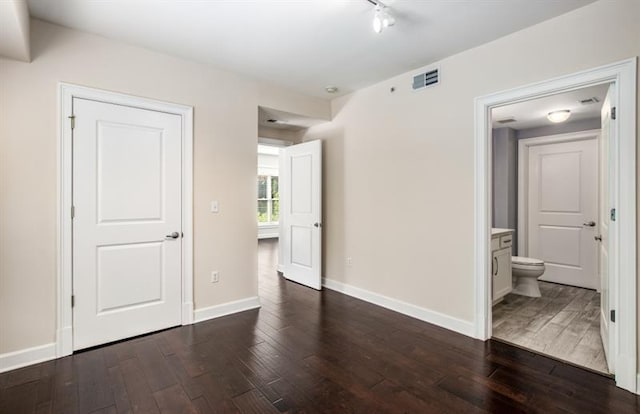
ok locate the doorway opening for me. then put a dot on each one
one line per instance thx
(550, 239)
(289, 200)
(550, 225)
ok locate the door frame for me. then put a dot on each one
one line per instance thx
(66, 93)
(623, 77)
(523, 167)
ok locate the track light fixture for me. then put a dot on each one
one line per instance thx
(382, 17)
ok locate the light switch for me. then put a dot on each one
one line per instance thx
(215, 206)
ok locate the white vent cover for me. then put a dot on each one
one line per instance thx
(426, 79)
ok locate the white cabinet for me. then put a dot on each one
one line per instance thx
(501, 273)
(501, 264)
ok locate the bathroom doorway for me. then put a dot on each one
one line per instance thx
(545, 191)
(547, 154)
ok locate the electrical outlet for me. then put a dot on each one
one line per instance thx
(349, 261)
(215, 276)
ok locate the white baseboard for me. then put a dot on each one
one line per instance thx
(436, 318)
(226, 309)
(29, 356)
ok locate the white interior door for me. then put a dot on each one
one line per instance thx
(562, 211)
(605, 231)
(127, 224)
(301, 213)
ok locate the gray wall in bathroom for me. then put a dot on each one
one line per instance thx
(505, 167)
(505, 179)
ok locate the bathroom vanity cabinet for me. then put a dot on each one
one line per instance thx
(501, 242)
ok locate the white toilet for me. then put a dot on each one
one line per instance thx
(526, 271)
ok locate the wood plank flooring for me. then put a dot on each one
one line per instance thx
(564, 323)
(308, 352)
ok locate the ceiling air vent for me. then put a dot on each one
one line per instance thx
(424, 80)
(506, 120)
(590, 101)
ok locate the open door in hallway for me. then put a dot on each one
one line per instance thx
(605, 228)
(301, 213)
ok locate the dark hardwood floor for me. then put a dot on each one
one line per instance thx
(311, 352)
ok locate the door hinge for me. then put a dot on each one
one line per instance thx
(613, 113)
(73, 121)
(613, 214)
(613, 315)
(73, 211)
(73, 300)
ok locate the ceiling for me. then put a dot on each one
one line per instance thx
(533, 113)
(14, 30)
(304, 45)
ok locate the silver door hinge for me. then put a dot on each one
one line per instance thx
(613, 214)
(73, 300)
(73, 211)
(73, 121)
(613, 315)
(613, 113)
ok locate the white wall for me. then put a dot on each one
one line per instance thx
(225, 131)
(399, 167)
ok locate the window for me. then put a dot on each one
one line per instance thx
(268, 199)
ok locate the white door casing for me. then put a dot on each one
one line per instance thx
(622, 76)
(605, 239)
(68, 93)
(127, 199)
(562, 210)
(301, 213)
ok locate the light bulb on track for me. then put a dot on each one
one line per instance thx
(382, 18)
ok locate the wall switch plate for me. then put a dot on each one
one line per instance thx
(349, 261)
(215, 206)
(215, 276)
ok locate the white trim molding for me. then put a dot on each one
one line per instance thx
(523, 169)
(225, 309)
(66, 94)
(622, 75)
(18, 359)
(444, 321)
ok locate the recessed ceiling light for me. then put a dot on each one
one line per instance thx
(331, 89)
(559, 116)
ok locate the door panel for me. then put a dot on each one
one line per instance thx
(127, 198)
(562, 198)
(123, 149)
(301, 212)
(136, 266)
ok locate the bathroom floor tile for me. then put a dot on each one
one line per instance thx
(564, 323)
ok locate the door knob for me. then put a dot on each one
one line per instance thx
(589, 224)
(173, 235)
(598, 238)
(317, 225)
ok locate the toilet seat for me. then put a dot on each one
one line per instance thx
(526, 261)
